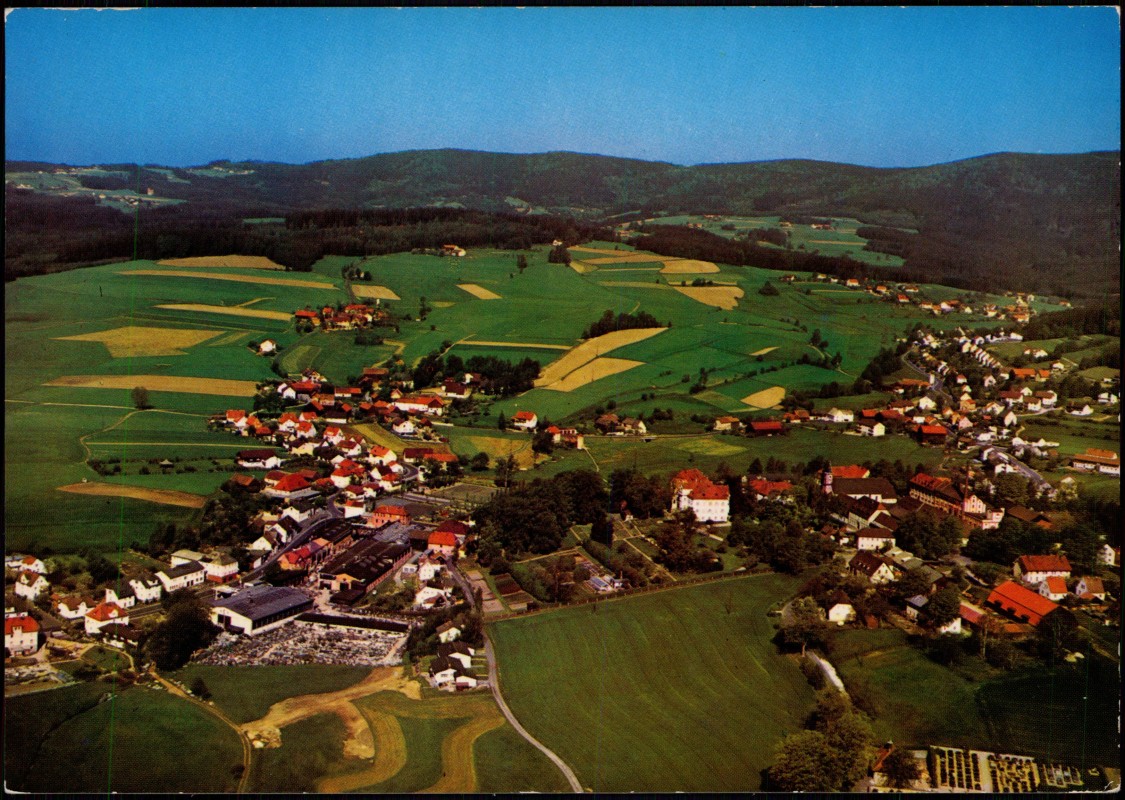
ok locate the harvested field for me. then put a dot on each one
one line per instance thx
(234, 311)
(633, 269)
(458, 775)
(138, 341)
(632, 258)
(243, 262)
(687, 265)
(389, 756)
(724, 297)
(591, 349)
(634, 284)
(581, 267)
(166, 497)
(532, 345)
(160, 383)
(602, 250)
(592, 371)
(498, 448)
(218, 276)
(763, 351)
(374, 292)
(767, 398)
(479, 291)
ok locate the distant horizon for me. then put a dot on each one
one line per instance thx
(886, 87)
(224, 160)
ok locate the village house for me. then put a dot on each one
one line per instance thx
(443, 542)
(954, 498)
(26, 564)
(1033, 570)
(1106, 462)
(73, 607)
(838, 609)
(876, 568)
(448, 632)
(183, 576)
(221, 568)
(30, 585)
(1054, 589)
(710, 502)
(147, 588)
(104, 614)
(874, 539)
(727, 424)
(257, 459)
(421, 404)
(121, 596)
(21, 634)
(1090, 589)
(525, 420)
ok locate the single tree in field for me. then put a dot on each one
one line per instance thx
(140, 397)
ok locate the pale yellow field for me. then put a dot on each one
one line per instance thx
(442, 304)
(724, 297)
(592, 371)
(581, 267)
(243, 262)
(234, 311)
(458, 775)
(218, 276)
(516, 344)
(479, 291)
(633, 269)
(634, 284)
(603, 250)
(168, 497)
(591, 349)
(763, 351)
(680, 266)
(377, 434)
(498, 448)
(632, 258)
(137, 341)
(374, 292)
(161, 383)
(767, 398)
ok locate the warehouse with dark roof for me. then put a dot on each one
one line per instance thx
(259, 609)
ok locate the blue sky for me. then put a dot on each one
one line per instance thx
(872, 86)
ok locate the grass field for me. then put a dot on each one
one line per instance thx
(637, 695)
(1036, 710)
(246, 693)
(132, 743)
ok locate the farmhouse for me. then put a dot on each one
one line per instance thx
(727, 424)
(447, 632)
(444, 542)
(875, 568)
(103, 614)
(26, 564)
(878, 489)
(73, 607)
(259, 609)
(691, 489)
(525, 420)
(957, 499)
(1094, 459)
(766, 428)
(1020, 602)
(147, 588)
(874, 539)
(421, 404)
(1033, 570)
(1089, 589)
(1054, 589)
(257, 459)
(21, 635)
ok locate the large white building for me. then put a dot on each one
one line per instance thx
(259, 609)
(691, 489)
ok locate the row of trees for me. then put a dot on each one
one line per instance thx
(608, 323)
(500, 377)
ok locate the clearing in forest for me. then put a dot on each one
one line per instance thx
(135, 341)
(767, 398)
(594, 370)
(591, 349)
(724, 297)
(243, 262)
(218, 276)
(232, 310)
(168, 497)
(160, 383)
(374, 292)
(479, 291)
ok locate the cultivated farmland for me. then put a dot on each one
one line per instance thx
(137, 340)
(639, 694)
(241, 262)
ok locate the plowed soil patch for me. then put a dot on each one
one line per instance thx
(218, 276)
(767, 398)
(687, 265)
(592, 371)
(160, 383)
(479, 291)
(244, 262)
(724, 297)
(138, 341)
(166, 497)
(591, 349)
(233, 311)
(374, 292)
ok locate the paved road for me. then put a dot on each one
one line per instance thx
(494, 682)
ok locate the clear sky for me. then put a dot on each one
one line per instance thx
(871, 86)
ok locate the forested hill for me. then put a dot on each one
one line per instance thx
(1049, 220)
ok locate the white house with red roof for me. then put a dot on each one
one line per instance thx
(26, 564)
(443, 542)
(73, 607)
(421, 404)
(380, 455)
(289, 485)
(1033, 570)
(691, 489)
(525, 420)
(21, 635)
(103, 614)
(1053, 588)
(1089, 589)
(30, 585)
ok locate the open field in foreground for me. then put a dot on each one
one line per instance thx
(161, 383)
(234, 312)
(663, 692)
(168, 497)
(243, 262)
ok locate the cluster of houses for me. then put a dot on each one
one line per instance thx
(353, 316)
(451, 668)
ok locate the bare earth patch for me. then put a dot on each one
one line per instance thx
(763, 351)
(767, 398)
(687, 265)
(168, 497)
(160, 383)
(724, 297)
(479, 291)
(591, 349)
(374, 292)
(138, 341)
(234, 311)
(218, 276)
(389, 756)
(594, 370)
(244, 262)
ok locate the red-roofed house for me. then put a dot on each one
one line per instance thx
(386, 513)
(421, 404)
(21, 634)
(766, 428)
(290, 484)
(1054, 589)
(30, 585)
(442, 542)
(1021, 603)
(525, 420)
(851, 471)
(1033, 570)
(764, 489)
(1089, 589)
(103, 614)
(692, 489)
